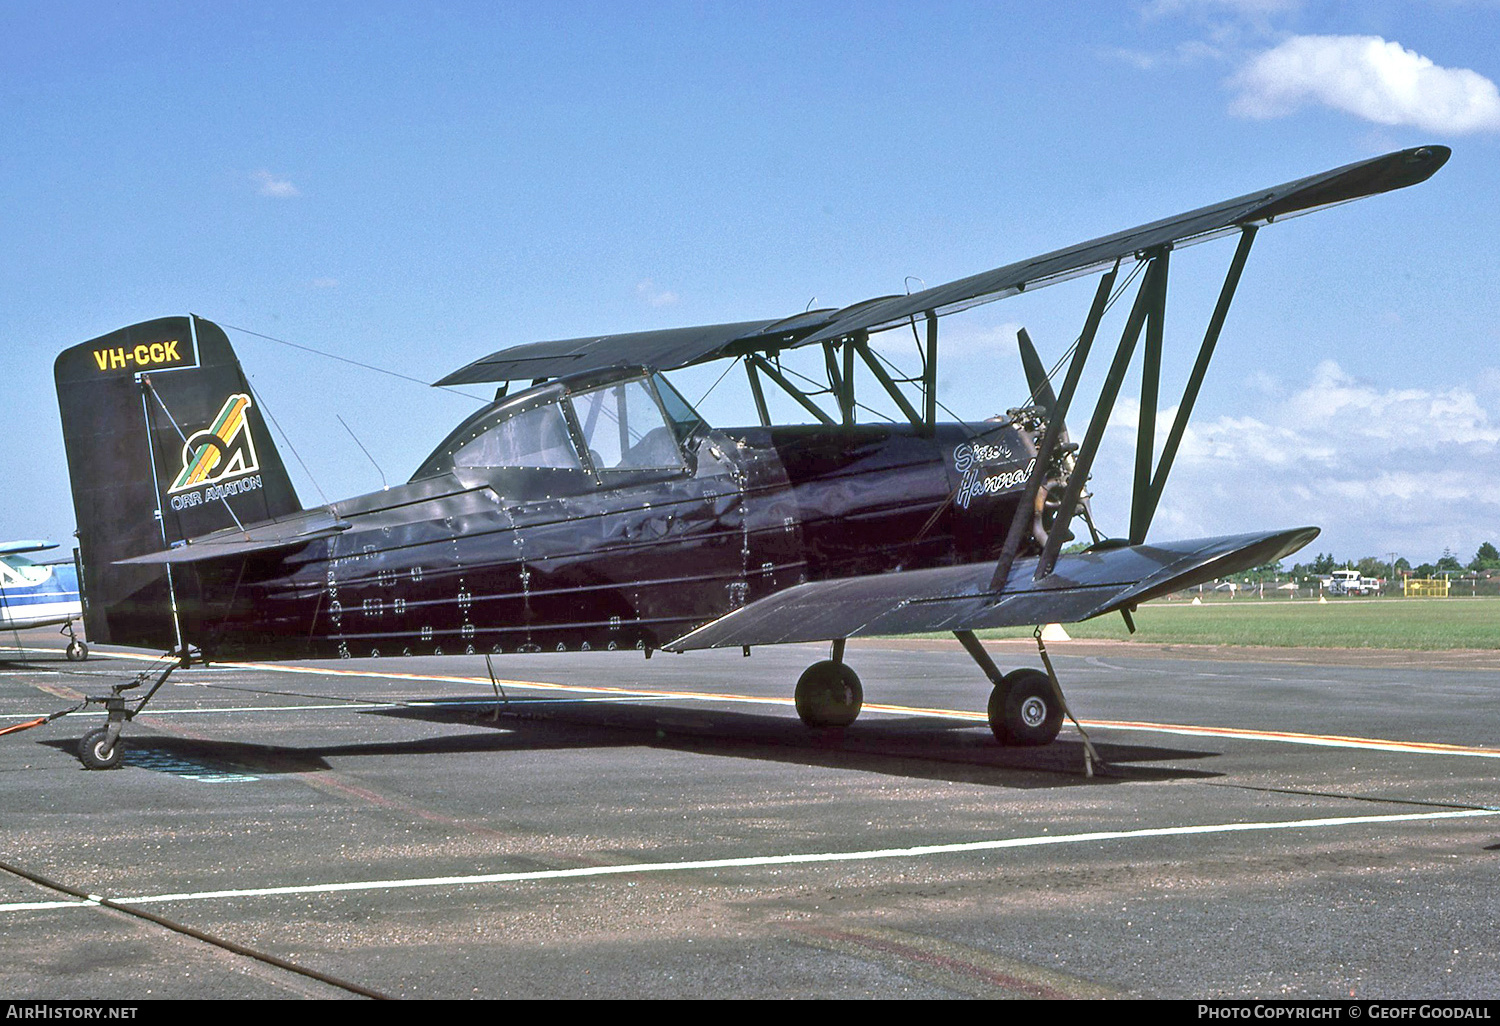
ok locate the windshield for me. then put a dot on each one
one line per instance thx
(625, 429)
(638, 424)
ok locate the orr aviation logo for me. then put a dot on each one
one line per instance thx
(223, 450)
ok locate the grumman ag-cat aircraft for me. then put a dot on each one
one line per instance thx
(593, 509)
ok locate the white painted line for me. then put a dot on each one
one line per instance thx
(752, 861)
(31, 906)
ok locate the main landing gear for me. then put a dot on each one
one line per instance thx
(1026, 707)
(77, 651)
(828, 693)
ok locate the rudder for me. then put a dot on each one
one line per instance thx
(165, 442)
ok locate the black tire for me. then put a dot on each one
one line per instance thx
(93, 753)
(1024, 710)
(829, 695)
(77, 651)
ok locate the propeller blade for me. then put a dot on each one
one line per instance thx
(1036, 375)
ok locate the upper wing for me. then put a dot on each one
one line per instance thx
(680, 347)
(957, 598)
(667, 349)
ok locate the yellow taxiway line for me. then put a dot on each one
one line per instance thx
(1238, 733)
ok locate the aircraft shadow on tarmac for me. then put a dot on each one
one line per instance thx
(918, 747)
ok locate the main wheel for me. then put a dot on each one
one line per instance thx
(1024, 709)
(77, 651)
(829, 695)
(96, 751)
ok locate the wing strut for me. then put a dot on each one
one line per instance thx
(929, 375)
(861, 344)
(756, 391)
(1153, 288)
(761, 364)
(1143, 503)
(1148, 313)
(1022, 519)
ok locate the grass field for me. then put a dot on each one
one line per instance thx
(1341, 623)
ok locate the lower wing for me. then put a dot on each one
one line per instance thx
(956, 598)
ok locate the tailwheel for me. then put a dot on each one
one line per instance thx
(99, 751)
(829, 695)
(77, 651)
(1024, 709)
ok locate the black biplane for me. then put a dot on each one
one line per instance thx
(595, 510)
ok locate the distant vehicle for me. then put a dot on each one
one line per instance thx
(39, 594)
(1350, 582)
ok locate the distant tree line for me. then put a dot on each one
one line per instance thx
(1487, 558)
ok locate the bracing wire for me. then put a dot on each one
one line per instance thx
(355, 363)
(822, 389)
(715, 385)
(1068, 353)
(288, 440)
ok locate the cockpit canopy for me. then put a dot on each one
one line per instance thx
(603, 425)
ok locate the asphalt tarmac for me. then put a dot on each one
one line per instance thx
(599, 825)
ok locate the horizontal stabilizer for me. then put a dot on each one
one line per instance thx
(1083, 585)
(288, 533)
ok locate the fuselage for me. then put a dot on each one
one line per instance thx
(37, 595)
(563, 559)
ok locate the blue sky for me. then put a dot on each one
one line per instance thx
(415, 185)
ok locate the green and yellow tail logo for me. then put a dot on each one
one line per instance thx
(224, 449)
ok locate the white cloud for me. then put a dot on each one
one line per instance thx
(1369, 77)
(1381, 469)
(270, 185)
(655, 296)
(1335, 402)
(1140, 60)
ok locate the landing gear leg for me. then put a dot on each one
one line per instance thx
(829, 693)
(77, 650)
(101, 749)
(1027, 706)
(1023, 708)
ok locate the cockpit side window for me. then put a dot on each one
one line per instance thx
(625, 429)
(17, 571)
(685, 419)
(535, 438)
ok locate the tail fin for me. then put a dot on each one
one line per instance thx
(165, 441)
